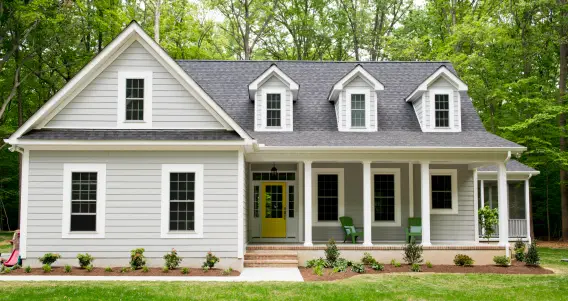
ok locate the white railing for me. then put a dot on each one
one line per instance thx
(517, 228)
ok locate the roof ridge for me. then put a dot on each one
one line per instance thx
(322, 62)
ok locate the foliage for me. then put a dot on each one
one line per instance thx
(331, 251)
(137, 259)
(463, 260)
(210, 260)
(227, 272)
(172, 259)
(415, 267)
(368, 259)
(89, 268)
(532, 257)
(519, 250)
(185, 271)
(127, 269)
(206, 268)
(488, 219)
(341, 265)
(377, 266)
(502, 260)
(395, 263)
(429, 264)
(108, 269)
(315, 262)
(46, 268)
(165, 269)
(16, 266)
(28, 269)
(413, 252)
(145, 269)
(49, 258)
(318, 270)
(358, 268)
(67, 268)
(85, 260)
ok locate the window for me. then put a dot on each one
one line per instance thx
(442, 110)
(256, 206)
(327, 196)
(182, 201)
(84, 189)
(358, 110)
(273, 110)
(134, 99)
(291, 201)
(268, 176)
(443, 187)
(386, 196)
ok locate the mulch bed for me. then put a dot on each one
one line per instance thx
(515, 268)
(75, 271)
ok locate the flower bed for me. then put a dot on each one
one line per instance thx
(116, 271)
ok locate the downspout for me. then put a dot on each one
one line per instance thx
(507, 246)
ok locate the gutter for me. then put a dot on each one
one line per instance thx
(263, 147)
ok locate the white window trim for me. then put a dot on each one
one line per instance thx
(68, 169)
(397, 196)
(454, 174)
(284, 127)
(341, 194)
(452, 110)
(165, 204)
(367, 93)
(121, 104)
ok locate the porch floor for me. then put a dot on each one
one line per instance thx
(379, 245)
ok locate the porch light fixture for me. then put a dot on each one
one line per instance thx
(274, 170)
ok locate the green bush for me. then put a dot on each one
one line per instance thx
(210, 260)
(488, 219)
(397, 264)
(67, 268)
(89, 268)
(108, 269)
(341, 265)
(532, 257)
(503, 261)
(145, 269)
(315, 262)
(415, 267)
(15, 267)
(49, 258)
(165, 269)
(28, 269)
(206, 268)
(331, 251)
(463, 260)
(377, 266)
(368, 259)
(413, 252)
(185, 271)
(172, 259)
(358, 268)
(85, 260)
(126, 270)
(137, 259)
(519, 250)
(227, 272)
(429, 264)
(46, 268)
(318, 270)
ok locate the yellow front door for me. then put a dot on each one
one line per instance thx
(273, 209)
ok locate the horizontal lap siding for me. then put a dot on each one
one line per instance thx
(132, 204)
(172, 105)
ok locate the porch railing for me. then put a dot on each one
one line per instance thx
(517, 228)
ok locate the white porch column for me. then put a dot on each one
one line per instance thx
(475, 206)
(528, 208)
(367, 207)
(503, 204)
(410, 190)
(308, 203)
(425, 201)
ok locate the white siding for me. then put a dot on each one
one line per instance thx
(424, 105)
(287, 104)
(133, 196)
(358, 83)
(419, 110)
(96, 105)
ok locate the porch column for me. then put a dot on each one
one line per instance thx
(367, 207)
(503, 204)
(528, 208)
(308, 203)
(425, 201)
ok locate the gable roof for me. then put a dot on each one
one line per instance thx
(442, 72)
(357, 71)
(511, 166)
(273, 70)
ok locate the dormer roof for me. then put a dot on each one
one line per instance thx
(273, 70)
(441, 72)
(357, 71)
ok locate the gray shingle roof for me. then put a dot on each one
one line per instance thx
(512, 165)
(163, 135)
(314, 116)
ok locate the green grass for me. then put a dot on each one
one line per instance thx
(366, 287)
(5, 246)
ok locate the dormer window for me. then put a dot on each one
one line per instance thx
(134, 100)
(273, 109)
(442, 110)
(358, 110)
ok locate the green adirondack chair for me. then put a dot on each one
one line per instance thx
(414, 228)
(349, 229)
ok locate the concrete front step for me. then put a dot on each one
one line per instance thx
(249, 263)
(270, 256)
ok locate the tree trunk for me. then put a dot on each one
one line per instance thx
(547, 212)
(20, 118)
(562, 120)
(157, 21)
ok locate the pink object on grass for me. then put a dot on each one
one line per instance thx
(13, 260)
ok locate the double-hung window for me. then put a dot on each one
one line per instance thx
(134, 99)
(182, 201)
(358, 107)
(386, 196)
(444, 194)
(273, 109)
(84, 188)
(442, 110)
(328, 195)
(358, 110)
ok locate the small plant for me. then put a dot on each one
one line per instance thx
(46, 268)
(206, 268)
(429, 264)
(108, 269)
(393, 261)
(463, 260)
(67, 268)
(318, 270)
(185, 271)
(358, 268)
(28, 269)
(210, 260)
(368, 259)
(15, 267)
(89, 268)
(520, 250)
(49, 258)
(413, 252)
(227, 272)
(5, 271)
(397, 264)
(331, 251)
(137, 259)
(488, 219)
(503, 261)
(377, 266)
(532, 257)
(315, 262)
(145, 269)
(125, 270)
(85, 260)
(172, 259)
(341, 265)
(165, 269)
(415, 267)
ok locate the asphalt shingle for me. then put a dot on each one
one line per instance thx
(512, 165)
(163, 135)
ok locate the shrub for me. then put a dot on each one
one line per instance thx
(165, 269)
(318, 270)
(145, 269)
(85, 260)
(46, 268)
(49, 258)
(358, 268)
(415, 267)
(227, 272)
(172, 259)
(397, 264)
(108, 269)
(16, 266)
(532, 257)
(137, 259)
(503, 261)
(413, 252)
(67, 268)
(185, 271)
(28, 269)
(377, 266)
(488, 219)
(519, 250)
(331, 251)
(428, 264)
(206, 268)
(315, 262)
(463, 260)
(210, 260)
(368, 259)
(393, 261)
(341, 265)
(89, 268)
(126, 270)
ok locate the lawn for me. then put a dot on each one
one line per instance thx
(5, 246)
(365, 287)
